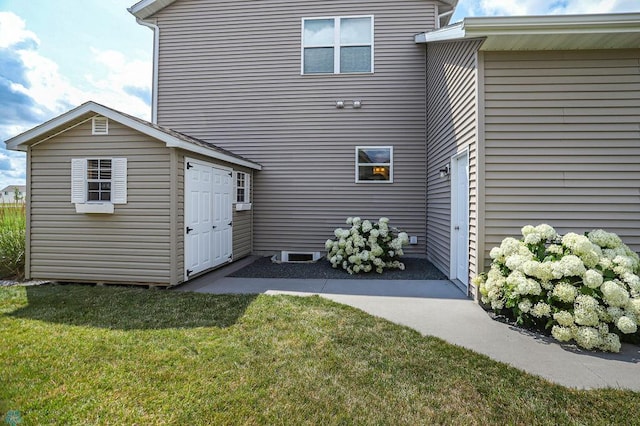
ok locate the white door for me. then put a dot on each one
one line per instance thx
(222, 216)
(207, 216)
(460, 218)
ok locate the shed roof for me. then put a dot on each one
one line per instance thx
(90, 109)
(557, 32)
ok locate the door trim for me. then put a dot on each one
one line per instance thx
(453, 250)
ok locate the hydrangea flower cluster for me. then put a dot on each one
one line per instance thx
(585, 288)
(367, 246)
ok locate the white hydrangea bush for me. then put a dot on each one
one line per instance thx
(585, 288)
(367, 246)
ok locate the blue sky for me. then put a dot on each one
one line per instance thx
(57, 54)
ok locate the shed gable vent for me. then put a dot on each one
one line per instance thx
(100, 126)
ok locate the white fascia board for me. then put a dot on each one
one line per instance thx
(451, 32)
(535, 25)
(177, 143)
(145, 8)
(553, 24)
(18, 143)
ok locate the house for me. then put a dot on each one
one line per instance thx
(460, 134)
(329, 97)
(13, 194)
(113, 198)
(545, 112)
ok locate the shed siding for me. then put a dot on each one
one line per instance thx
(230, 74)
(563, 142)
(452, 103)
(242, 220)
(130, 245)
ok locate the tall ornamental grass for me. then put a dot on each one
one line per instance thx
(12, 240)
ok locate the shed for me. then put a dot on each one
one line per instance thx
(115, 199)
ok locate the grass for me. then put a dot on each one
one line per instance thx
(112, 355)
(12, 240)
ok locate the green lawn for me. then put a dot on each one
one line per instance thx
(113, 355)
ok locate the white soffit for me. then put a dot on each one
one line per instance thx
(562, 32)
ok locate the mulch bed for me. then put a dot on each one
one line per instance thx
(415, 269)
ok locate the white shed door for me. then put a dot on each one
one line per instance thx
(208, 216)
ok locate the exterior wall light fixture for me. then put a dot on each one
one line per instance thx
(445, 171)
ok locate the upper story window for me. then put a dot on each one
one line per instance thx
(339, 45)
(374, 164)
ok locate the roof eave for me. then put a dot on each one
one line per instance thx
(146, 8)
(504, 26)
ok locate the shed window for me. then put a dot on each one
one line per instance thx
(98, 181)
(374, 164)
(242, 187)
(337, 45)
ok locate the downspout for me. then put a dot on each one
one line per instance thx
(156, 51)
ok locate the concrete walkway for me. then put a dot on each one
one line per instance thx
(438, 308)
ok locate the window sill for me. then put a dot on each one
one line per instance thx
(338, 74)
(104, 208)
(243, 206)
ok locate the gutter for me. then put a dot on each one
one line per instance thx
(615, 23)
(156, 52)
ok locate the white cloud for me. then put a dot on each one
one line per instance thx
(13, 31)
(547, 7)
(41, 92)
(53, 93)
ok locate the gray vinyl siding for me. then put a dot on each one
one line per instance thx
(451, 93)
(129, 246)
(242, 220)
(230, 74)
(563, 142)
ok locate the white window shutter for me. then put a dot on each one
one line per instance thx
(119, 181)
(78, 180)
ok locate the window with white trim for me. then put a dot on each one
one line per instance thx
(98, 181)
(374, 164)
(337, 45)
(242, 187)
